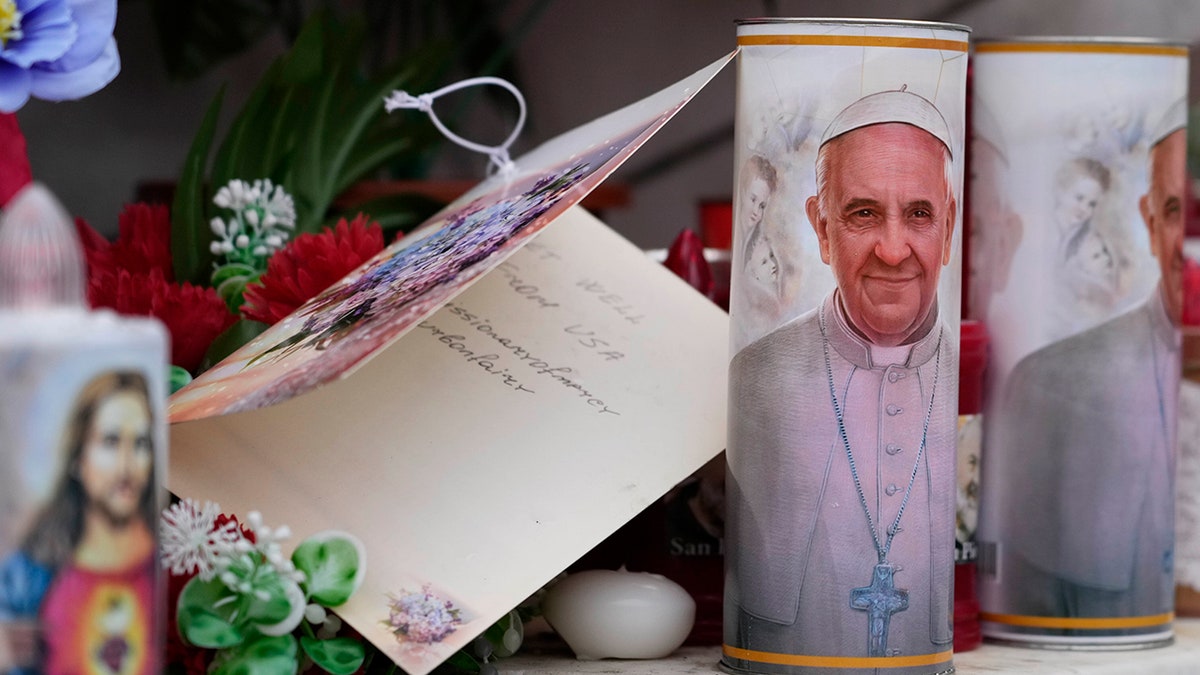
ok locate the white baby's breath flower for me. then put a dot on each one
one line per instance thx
(266, 542)
(192, 542)
(263, 213)
(281, 208)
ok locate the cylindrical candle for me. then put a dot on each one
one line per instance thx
(82, 452)
(844, 369)
(973, 351)
(1078, 202)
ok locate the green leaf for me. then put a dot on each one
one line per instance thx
(280, 136)
(346, 107)
(232, 271)
(369, 156)
(333, 563)
(177, 378)
(314, 174)
(462, 662)
(238, 156)
(190, 234)
(230, 281)
(201, 623)
(340, 656)
(304, 60)
(203, 628)
(260, 655)
(278, 605)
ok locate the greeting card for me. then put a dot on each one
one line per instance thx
(480, 404)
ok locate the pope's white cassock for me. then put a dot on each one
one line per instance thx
(1087, 432)
(799, 542)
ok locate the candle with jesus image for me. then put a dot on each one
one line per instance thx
(843, 408)
(82, 440)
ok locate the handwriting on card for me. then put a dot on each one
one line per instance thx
(488, 362)
(523, 288)
(613, 301)
(590, 340)
(477, 339)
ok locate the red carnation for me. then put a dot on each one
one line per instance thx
(144, 240)
(97, 250)
(224, 519)
(309, 264)
(133, 276)
(14, 160)
(194, 315)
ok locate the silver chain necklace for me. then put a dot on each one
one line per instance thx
(881, 548)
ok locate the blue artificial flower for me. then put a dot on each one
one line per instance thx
(55, 50)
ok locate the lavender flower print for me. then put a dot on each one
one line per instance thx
(422, 616)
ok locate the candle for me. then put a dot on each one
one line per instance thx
(620, 614)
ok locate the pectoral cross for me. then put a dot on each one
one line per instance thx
(880, 601)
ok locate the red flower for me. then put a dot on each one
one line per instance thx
(144, 240)
(247, 533)
(133, 276)
(97, 251)
(14, 160)
(194, 315)
(309, 264)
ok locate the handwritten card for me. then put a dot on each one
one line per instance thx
(481, 403)
(503, 437)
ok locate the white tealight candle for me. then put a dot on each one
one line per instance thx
(620, 614)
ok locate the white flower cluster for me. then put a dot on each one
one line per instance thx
(194, 543)
(267, 543)
(263, 216)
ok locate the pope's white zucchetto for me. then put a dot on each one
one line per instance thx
(884, 107)
(1174, 119)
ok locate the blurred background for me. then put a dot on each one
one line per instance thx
(574, 61)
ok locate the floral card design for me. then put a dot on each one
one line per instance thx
(373, 306)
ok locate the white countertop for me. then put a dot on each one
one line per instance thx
(1180, 658)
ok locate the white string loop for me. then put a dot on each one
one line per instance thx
(498, 158)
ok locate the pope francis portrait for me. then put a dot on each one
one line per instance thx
(1094, 418)
(842, 421)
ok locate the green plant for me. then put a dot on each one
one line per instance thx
(314, 125)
